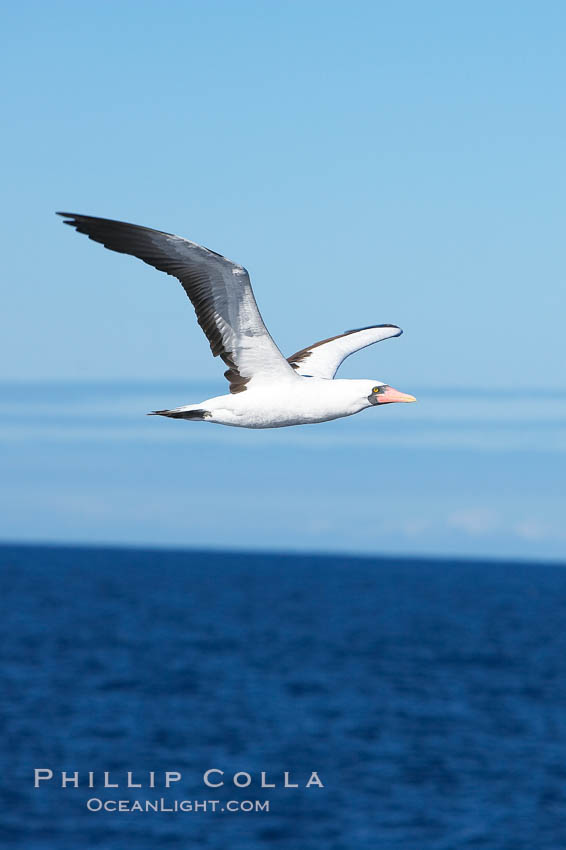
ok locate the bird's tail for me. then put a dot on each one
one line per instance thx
(182, 413)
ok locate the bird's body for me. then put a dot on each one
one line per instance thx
(266, 390)
(300, 401)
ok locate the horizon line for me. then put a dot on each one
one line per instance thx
(287, 554)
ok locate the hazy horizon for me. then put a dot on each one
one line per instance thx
(448, 476)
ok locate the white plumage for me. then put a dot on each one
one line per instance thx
(266, 389)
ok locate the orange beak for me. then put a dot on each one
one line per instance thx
(389, 395)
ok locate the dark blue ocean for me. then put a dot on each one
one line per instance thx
(429, 696)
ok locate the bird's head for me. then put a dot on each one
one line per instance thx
(379, 393)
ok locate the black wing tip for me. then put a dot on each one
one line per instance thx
(371, 327)
(73, 219)
(91, 221)
(66, 215)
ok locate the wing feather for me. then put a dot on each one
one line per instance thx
(322, 359)
(219, 290)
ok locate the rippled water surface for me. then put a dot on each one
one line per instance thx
(429, 696)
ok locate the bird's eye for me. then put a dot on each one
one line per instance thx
(376, 389)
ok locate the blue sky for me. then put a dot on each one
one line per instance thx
(367, 162)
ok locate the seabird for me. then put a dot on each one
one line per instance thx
(266, 390)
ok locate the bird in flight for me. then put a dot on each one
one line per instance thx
(267, 390)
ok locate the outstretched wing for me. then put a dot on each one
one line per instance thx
(219, 289)
(322, 359)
